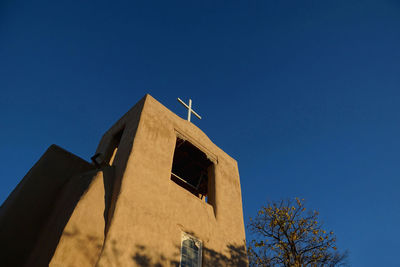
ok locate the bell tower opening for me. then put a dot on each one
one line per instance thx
(113, 146)
(192, 170)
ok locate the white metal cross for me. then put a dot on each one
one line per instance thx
(190, 110)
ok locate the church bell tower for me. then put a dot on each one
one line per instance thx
(158, 193)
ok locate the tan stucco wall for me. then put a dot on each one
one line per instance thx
(151, 210)
(83, 236)
(26, 210)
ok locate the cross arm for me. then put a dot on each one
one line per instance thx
(197, 115)
(183, 103)
(189, 108)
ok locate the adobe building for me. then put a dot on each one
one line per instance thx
(158, 193)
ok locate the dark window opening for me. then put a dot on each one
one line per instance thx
(113, 147)
(191, 168)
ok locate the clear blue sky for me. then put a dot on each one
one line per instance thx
(304, 94)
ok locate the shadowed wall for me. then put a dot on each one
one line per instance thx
(28, 207)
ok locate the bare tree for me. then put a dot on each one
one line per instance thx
(285, 234)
